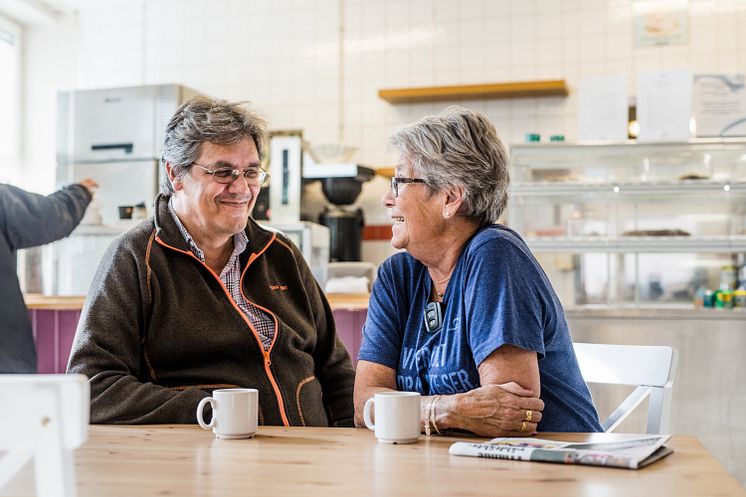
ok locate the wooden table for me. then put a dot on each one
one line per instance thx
(181, 460)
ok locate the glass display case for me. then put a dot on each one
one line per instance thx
(633, 224)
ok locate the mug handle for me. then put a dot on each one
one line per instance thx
(200, 407)
(366, 414)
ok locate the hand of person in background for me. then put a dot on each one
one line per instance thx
(496, 410)
(90, 184)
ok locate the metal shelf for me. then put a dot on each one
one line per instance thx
(619, 189)
(629, 148)
(639, 244)
(706, 156)
(564, 189)
(653, 312)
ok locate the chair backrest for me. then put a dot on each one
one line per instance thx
(48, 418)
(651, 368)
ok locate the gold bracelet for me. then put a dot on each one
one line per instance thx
(434, 413)
(427, 418)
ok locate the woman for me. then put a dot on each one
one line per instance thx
(465, 315)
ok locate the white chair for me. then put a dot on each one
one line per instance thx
(44, 418)
(651, 368)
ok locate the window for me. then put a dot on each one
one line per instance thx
(10, 99)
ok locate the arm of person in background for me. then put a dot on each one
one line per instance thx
(110, 345)
(33, 220)
(509, 377)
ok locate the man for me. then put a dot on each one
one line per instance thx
(28, 220)
(201, 297)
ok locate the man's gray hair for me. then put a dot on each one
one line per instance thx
(203, 119)
(459, 147)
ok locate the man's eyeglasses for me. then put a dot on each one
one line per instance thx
(396, 181)
(225, 175)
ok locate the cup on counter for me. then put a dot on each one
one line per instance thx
(397, 417)
(139, 211)
(234, 412)
(125, 212)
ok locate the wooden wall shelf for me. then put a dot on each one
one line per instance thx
(556, 87)
(386, 172)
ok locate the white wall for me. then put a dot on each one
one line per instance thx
(11, 49)
(283, 56)
(50, 63)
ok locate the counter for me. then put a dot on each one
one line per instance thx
(55, 319)
(37, 301)
(345, 302)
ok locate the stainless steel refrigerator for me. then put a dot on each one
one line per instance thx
(114, 136)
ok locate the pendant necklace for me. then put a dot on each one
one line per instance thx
(445, 287)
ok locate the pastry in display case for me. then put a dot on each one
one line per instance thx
(631, 224)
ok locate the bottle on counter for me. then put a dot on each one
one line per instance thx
(728, 277)
(724, 299)
(699, 297)
(708, 300)
(739, 297)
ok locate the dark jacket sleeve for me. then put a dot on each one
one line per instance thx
(333, 366)
(108, 349)
(32, 219)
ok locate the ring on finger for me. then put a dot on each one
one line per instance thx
(529, 414)
(523, 426)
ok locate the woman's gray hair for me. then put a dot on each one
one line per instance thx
(203, 119)
(459, 147)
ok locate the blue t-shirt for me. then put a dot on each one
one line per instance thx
(498, 294)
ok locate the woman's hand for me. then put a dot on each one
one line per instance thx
(493, 411)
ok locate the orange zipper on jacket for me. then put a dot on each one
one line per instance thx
(265, 353)
(267, 359)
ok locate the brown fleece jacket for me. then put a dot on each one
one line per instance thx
(159, 331)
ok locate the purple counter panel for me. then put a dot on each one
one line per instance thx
(350, 330)
(54, 331)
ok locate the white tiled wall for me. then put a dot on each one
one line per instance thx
(283, 55)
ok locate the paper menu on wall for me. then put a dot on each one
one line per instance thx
(603, 108)
(720, 104)
(664, 105)
(633, 453)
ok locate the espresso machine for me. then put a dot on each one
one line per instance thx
(294, 163)
(345, 224)
(341, 184)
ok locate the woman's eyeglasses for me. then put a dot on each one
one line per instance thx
(225, 175)
(396, 181)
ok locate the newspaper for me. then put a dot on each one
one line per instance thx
(633, 453)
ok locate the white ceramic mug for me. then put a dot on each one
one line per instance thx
(234, 412)
(397, 417)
